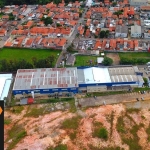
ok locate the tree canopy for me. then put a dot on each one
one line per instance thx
(107, 61)
(47, 20)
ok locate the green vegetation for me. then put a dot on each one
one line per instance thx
(141, 89)
(71, 123)
(82, 60)
(101, 133)
(7, 121)
(131, 110)
(107, 61)
(17, 109)
(11, 59)
(59, 147)
(120, 125)
(35, 112)
(47, 20)
(132, 142)
(119, 12)
(28, 54)
(105, 93)
(16, 134)
(11, 16)
(148, 133)
(70, 48)
(52, 100)
(105, 148)
(73, 135)
(114, 4)
(133, 58)
(104, 34)
(145, 81)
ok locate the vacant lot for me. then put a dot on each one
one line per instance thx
(27, 54)
(85, 60)
(115, 57)
(134, 58)
(135, 55)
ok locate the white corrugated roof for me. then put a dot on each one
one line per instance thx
(5, 85)
(97, 75)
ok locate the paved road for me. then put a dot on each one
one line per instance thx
(71, 38)
(112, 99)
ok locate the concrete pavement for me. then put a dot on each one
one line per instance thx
(112, 99)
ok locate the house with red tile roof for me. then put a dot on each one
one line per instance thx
(81, 30)
(29, 42)
(5, 17)
(18, 41)
(19, 32)
(3, 32)
(28, 25)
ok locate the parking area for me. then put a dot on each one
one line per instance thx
(113, 99)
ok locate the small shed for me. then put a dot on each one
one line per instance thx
(26, 101)
(100, 60)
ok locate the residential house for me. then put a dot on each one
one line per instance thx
(121, 31)
(3, 32)
(138, 2)
(5, 17)
(147, 35)
(136, 31)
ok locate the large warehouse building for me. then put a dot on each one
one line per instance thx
(5, 82)
(74, 80)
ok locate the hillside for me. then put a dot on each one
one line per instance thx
(110, 127)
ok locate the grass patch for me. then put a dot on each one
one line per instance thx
(101, 133)
(71, 123)
(134, 58)
(16, 134)
(135, 55)
(17, 53)
(55, 100)
(82, 60)
(35, 112)
(148, 133)
(58, 147)
(73, 135)
(120, 125)
(105, 148)
(131, 110)
(7, 121)
(17, 109)
(106, 93)
(141, 89)
(111, 122)
(131, 142)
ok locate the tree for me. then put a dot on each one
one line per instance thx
(114, 4)
(107, 61)
(106, 33)
(11, 16)
(47, 20)
(145, 81)
(102, 34)
(70, 48)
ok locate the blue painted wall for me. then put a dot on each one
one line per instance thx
(46, 91)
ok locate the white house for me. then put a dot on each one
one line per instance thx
(138, 2)
(121, 31)
(136, 31)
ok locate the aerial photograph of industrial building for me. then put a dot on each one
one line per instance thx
(75, 75)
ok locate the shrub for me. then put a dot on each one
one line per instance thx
(101, 133)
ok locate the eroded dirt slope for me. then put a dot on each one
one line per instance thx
(127, 129)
